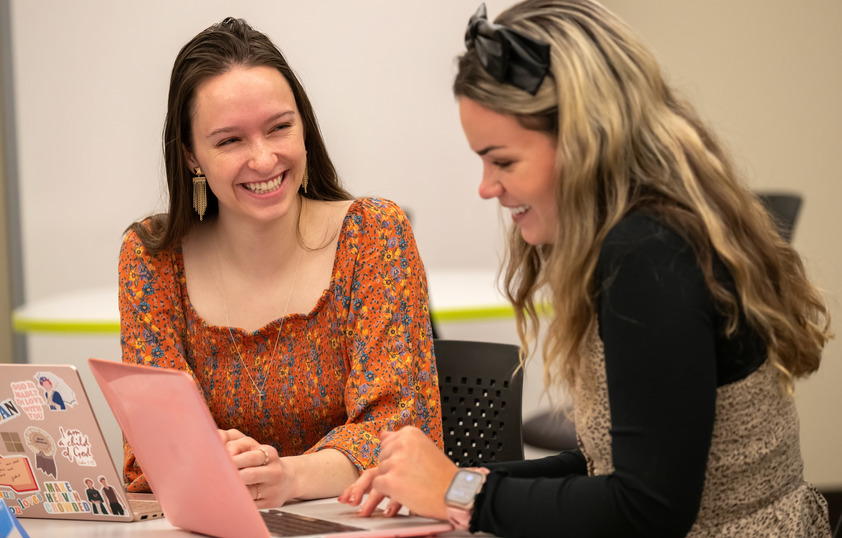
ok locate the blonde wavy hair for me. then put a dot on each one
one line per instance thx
(627, 141)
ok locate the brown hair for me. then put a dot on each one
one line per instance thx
(627, 141)
(214, 51)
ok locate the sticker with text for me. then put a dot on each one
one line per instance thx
(61, 498)
(44, 447)
(75, 446)
(8, 411)
(16, 473)
(19, 504)
(29, 399)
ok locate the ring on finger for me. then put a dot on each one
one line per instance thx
(265, 455)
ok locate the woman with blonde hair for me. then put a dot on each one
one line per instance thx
(680, 318)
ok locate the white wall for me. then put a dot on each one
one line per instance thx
(91, 79)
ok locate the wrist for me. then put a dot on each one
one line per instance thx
(460, 496)
(291, 486)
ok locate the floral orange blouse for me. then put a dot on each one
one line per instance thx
(360, 362)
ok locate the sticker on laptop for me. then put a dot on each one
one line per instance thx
(95, 497)
(19, 504)
(110, 493)
(44, 447)
(61, 498)
(76, 447)
(8, 411)
(58, 395)
(16, 474)
(28, 399)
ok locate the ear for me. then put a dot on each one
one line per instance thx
(191, 160)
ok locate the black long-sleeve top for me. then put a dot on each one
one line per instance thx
(665, 355)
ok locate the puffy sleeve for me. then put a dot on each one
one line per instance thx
(152, 323)
(381, 288)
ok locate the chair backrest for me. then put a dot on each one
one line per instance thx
(481, 401)
(838, 532)
(784, 209)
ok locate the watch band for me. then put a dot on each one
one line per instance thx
(460, 517)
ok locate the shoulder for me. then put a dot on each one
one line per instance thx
(641, 234)
(134, 251)
(641, 250)
(379, 228)
(132, 244)
(377, 212)
(378, 208)
(642, 228)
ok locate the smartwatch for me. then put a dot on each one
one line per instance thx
(460, 495)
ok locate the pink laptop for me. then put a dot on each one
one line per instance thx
(54, 461)
(165, 419)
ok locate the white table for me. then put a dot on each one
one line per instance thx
(455, 295)
(87, 311)
(52, 528)
(157, 528)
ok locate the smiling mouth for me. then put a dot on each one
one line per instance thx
(519, 210)
(265, 186)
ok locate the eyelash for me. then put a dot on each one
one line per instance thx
(502, 165)
(230, 140)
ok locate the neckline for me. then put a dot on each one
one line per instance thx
(320, 303)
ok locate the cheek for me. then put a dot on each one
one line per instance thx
(546, 181)
(292, 148)
(547, 193)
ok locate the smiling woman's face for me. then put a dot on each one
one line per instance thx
(248, 139)
(518, 168)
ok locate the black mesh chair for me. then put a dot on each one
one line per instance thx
(481, 400)
(550, 430)
(784, 208)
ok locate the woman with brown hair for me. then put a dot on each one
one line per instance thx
(300, 311)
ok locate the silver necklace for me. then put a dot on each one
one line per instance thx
(260, 389)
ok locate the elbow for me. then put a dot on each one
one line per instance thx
(663, 513)
(672, 519)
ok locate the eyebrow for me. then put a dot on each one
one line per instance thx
(487, 149)
(226, 130)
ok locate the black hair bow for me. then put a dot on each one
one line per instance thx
(508, 55)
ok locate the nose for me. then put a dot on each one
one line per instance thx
(262, 157)
(489, 187)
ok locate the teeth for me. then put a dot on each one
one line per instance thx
(266, 186)
(520, 209)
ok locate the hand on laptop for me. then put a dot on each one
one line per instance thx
(413, 472)
(273, 480)
(260, 467)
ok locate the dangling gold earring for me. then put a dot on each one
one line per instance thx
(305, 180)
(200, 193)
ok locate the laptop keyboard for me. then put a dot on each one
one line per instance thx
(287, 524)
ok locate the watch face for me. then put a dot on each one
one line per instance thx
(464, 488)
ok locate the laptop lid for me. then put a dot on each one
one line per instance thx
(176, 441)
(54, 461)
